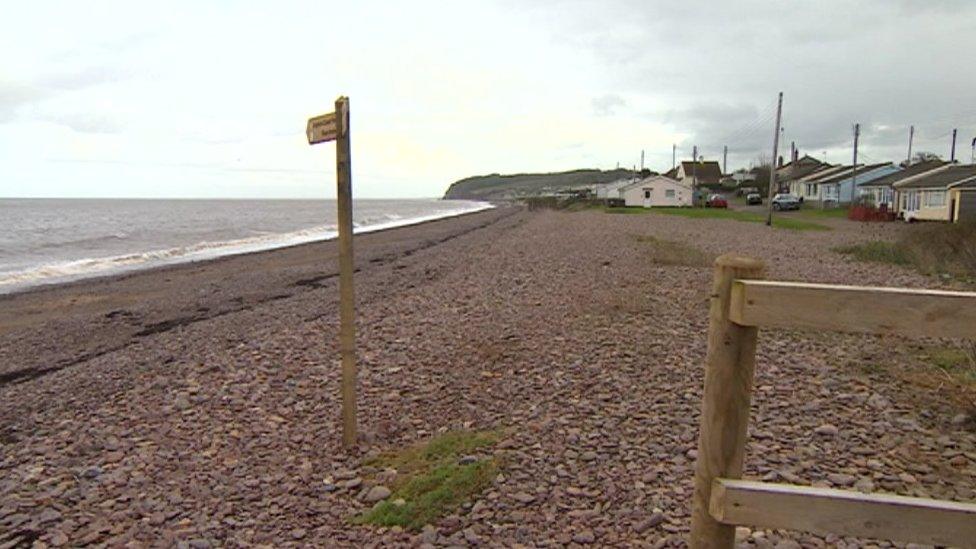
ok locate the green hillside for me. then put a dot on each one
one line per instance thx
(500, 187)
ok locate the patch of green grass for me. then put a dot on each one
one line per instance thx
(878, 251)
(823, 213)
(779, 221)
(670, 252)
(958, 362)
(425, 497)
(431, 482)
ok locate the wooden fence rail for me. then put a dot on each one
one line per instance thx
(740, 304)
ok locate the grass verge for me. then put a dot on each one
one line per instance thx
(878, 251)
(432, 481)
(779, 222)
(932, 248)
(957, 363)
(823, 213)
(670, 252)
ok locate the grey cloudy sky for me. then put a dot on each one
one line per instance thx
(202, 99)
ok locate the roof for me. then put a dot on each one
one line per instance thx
(844, 175)
(823, 172)
(910, 171)
(651, 178)
(672, 173)
(802, 162)
(942, 178)
(966, 186)
(802, 170)
(705, 170)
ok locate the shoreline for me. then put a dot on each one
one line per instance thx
(101, 314)
(20, 288)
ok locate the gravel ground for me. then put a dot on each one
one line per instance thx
(563, 328)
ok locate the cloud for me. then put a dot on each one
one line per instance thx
(14, 95)
(606, 105)
(443, 91)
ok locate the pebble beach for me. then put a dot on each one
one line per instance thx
(197, 405)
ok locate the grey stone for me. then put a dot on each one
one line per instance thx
(586, 536)
(841, 479)
(826, 430)
(654, 520)
(377, 493)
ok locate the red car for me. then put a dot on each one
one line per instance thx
(716, 201)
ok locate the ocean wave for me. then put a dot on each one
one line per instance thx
(83, 268)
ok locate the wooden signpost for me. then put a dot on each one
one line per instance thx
(320, 129)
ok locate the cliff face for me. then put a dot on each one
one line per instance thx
(501, 187)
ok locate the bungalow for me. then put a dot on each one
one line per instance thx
(805, 186)
(657, 190)
(839, 189)
(610, 190)
(927, 198)
(881, 191)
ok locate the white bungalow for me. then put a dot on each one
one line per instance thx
(610, 190)
(656, 190)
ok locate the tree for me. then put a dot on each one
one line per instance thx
(925, 156)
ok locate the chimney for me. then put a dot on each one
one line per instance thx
(780, 165)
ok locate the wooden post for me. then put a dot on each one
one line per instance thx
(347, 304)
(729, 368)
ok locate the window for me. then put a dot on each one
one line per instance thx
(647, 193)
(669, 193)
(811, 189)
(935, 199)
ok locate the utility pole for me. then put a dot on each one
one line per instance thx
(857, 133)
(674, 152)
(772, 168)
(642, 160)
(792, 155)
(952, 152)
(911, 136)
(725, 160)
(694, 171)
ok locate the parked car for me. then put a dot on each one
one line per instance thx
(786, 202)
(716, 201)
(754, 198)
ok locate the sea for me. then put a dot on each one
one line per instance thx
(50, 241)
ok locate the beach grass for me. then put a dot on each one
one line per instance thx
(779, 221)
(958, 363)
(432, 479)
(878, 251)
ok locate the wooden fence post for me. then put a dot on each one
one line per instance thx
(729, 368)
(347, 302)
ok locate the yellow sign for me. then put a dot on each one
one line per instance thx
(322, 128)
